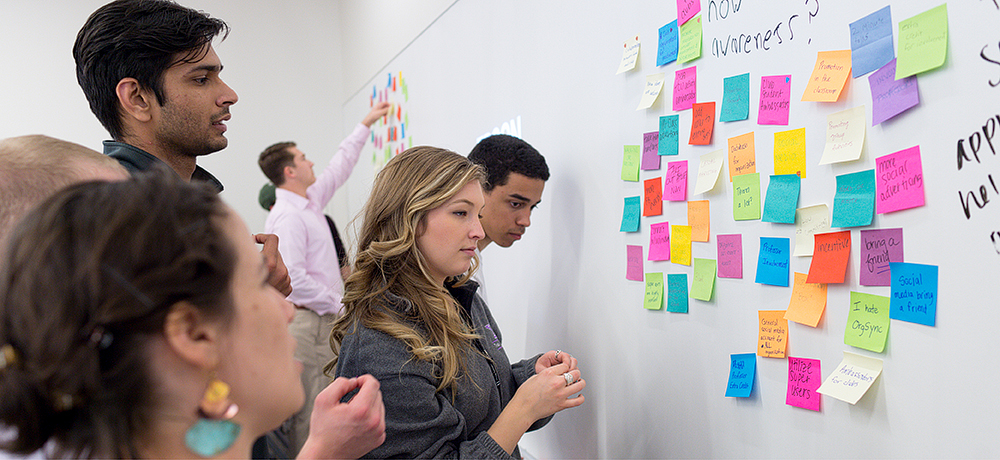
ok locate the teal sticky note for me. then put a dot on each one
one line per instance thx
(630, 216)
(782, 199)
(854, 203)
(677, 292)
(913, 291)
(742, 370)
(669, 137)
(735, 98)
(772, 261)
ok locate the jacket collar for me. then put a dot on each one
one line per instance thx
(136, 160)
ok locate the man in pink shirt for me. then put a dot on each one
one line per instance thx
(307, 248)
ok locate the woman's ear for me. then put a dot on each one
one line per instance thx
(135, 101)
(191, 336)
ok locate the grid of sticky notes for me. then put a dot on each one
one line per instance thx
(827, 232)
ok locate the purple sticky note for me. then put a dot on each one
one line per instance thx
(687, 9)
(685, 88)
(775, 98)
(804, 378)
(659, 241)
(899, 180)
(675, 183)
(891, 97)
(730, 256)
(633, 269)
(878, 248)
(650, 152)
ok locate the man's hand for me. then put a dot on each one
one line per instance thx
(378, 111)
(277, 272)
(346, 430)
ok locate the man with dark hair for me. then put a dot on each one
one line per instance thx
(515, 177)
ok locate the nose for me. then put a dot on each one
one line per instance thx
(228, 96)
(477, 232)
(524, 218)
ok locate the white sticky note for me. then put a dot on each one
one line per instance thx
(808, 222)
(709, 167)
(845, 135)
(852, 378)
(654, 83)
(630, 55)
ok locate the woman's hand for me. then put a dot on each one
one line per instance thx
(552, 358)
(548, 391)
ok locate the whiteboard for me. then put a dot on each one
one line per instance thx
(656, 380)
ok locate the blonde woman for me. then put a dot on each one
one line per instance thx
(414, 321)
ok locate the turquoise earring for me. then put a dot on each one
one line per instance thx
(214, 431)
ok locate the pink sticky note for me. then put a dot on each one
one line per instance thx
(685, 88)
(675, 183)
(650, 153)
(659, 241)
(899, 180)
(633, 270)
(687, 9)
(775, 98)
(730, 256)
(804, 378)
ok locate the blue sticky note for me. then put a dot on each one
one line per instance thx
(742, 370)
(677, 292)
(871, 42)
(668, 135)
(772, 261)
(854, 203)
(913, 290)
(735, 98)
(630, 216)
(667, 51)
(782, 199)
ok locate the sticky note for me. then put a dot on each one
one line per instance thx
(867, 322)
(772, 261)
(630, 215)
(630, 163)
(652, 203)
(808, 222)
(702, 123)
(891, 97)
(742, 370)
(654, 292)
(923, 42)
(680, 244)
(676, 180)
(845, 136)
(828, 77)
(699, 220)
(687, 9)
(829, 263)
(677, 293)
(871, 42)
(685, 88)
(852, 378)
(782, 199)
(703, 284)
(709, 166)
(804, 378)
(659, 241)
(854, 203)
(900, 181)
(879, 247)
(735, 98)
(742, 156)
(790, 152)
(807, 303)
(772, 337)
(746, 197)
(775, 98)
(650, 154)
(913, 294)
(630, 55)
(667, 50)
(690, 41)
(669, 136)
(730, 256)
(654, 83)
(633, 263)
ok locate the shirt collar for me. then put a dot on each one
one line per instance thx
(136, 160)
(292, 198)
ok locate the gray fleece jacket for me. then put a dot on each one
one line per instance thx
(420, 421)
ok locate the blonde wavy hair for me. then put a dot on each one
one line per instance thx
(409, 186)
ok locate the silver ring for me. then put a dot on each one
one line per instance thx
(557, 353)
(569, 378)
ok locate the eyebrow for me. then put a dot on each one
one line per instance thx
(463, 200)
(206, 67)
(522, 198)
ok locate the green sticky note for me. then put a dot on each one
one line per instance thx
(867, 322)
(923, 42)
(746, 197)
(654, 291)
(690, 46)
(677, 292)
(630, 163)
(704, 279)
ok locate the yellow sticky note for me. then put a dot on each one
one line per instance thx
(923, 42)
(845, 136)
(808, 301)
(680, 244)
(630, 55)
(772, 338)
(809, 221)
(698, 219)
(829, 75)
(790, 152)
(742, 159)
(852, 378)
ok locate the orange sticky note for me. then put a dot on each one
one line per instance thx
(680, 244)
(652, 203)
(742, 159)
(808, 301)
(698, 219)
(702, 123)
(773, 337)
(829, 264)
(829, 75)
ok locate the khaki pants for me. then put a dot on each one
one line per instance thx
(312, 334)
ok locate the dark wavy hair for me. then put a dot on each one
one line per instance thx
(90, 277)
(139, 39)
(502, 154)
(272, 161)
